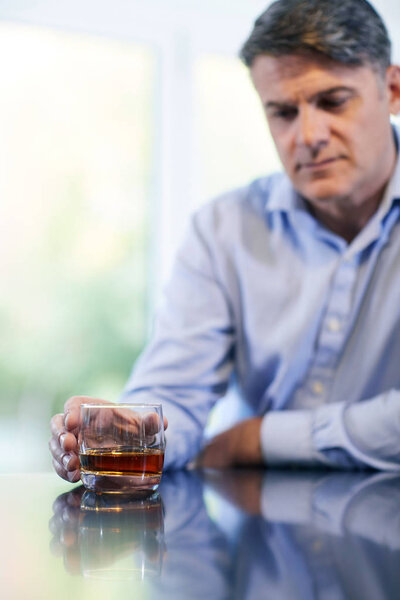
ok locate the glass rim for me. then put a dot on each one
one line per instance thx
(121, 405)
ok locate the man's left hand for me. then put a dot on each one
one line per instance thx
(238, 446)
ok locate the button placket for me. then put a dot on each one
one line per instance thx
(332, 336)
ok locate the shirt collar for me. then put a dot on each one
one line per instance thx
(392, 191)
(283, 197)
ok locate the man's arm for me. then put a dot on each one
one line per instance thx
(361, 435)
(186, 366)
(189, 360)
(364, 434)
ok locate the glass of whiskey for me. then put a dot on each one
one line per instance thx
(121, 447)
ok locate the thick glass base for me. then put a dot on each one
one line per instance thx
(121, 484)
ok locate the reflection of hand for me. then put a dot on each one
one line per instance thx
(242, 488)
(239, 445)
(64, 525)
(65, 429)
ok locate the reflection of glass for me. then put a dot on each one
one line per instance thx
(121, 537)
(121, 447)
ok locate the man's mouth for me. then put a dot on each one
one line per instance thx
(316, 165)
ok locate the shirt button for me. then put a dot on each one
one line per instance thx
(317, 546)
(334, 325)
(317, 387)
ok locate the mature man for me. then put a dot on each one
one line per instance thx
(290, 285)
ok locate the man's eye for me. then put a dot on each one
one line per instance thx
(332, 103)
(285, 114)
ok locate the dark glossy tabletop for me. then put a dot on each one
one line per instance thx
(217, 535)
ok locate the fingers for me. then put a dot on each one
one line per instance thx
(65, 465)
(67, 506)
(57, 424)
(239, 445)
(148, 424)
(71, 476)
(65, 453)
(151, 423)
(64, 525)
(63, 446)
(72, 410)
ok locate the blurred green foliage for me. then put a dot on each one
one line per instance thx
(74, 332)
(76, 146)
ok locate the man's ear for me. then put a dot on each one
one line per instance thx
(393, 88)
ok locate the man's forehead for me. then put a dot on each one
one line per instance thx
(273, 75)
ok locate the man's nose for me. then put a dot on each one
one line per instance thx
(312, 128)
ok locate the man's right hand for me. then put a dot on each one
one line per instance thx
(65, 428)
(63, 444)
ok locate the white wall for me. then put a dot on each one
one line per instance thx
(181, 30)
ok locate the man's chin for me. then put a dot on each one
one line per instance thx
(321, 193)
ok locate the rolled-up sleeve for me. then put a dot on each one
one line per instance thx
(360, 435)
(286, 437)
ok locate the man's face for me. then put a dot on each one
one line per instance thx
(330, 124)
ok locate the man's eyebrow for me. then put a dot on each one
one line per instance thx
(334, 90)
(272, 104)
(289, 104)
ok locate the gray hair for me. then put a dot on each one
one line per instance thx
(346, 31)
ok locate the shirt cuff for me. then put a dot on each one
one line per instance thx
(286, 437)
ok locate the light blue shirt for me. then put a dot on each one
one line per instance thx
(306, 325)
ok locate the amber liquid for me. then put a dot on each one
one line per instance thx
(145, 462)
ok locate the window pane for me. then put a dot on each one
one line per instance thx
(76, 159)
(233, 139)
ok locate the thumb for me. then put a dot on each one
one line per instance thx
(72, 410)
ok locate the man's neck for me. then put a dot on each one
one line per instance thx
(347, 220)
(346, 217)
